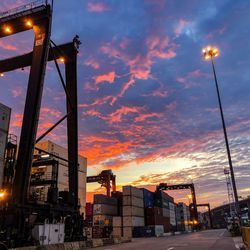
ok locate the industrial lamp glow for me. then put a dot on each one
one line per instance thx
(29, 23)
(210, 52)
(7, 29)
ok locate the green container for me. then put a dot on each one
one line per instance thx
(161, 203)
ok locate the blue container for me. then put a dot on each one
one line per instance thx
(148, 198)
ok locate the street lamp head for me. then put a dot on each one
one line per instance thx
(210, 52)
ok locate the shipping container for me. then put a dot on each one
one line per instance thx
(127, 232)
(132, 191)
(117, 221)
(139, 232)
(161, 203)
(164, 196)
(165, 212)
(4, 118)
(148, 198)
(117, 232)
(152, 211)
(103, 199)
(89, 209)
(104, 209)
(99, 232)
(102, 220)
(132, 201)
(133, 221)
(132, 211)
(118, 196)
(158, 230)
(172, 218)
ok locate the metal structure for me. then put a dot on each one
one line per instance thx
(230, 193)
(16, 223)
(209, 212)
(104, 178)
(193, 205)
(9, 162)
(210, 53)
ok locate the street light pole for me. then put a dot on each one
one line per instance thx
(211, 53)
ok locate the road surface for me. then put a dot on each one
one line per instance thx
(205, 240)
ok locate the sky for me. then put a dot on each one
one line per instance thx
(148, 108)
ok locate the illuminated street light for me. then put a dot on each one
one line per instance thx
(62, 59)
(2, 194)
(7, 29)
(210, 53)
(2, 74)
(29, 23)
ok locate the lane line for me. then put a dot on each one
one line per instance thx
(171, 248)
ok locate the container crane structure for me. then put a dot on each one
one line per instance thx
(193, 205)
(18, 214)
(104, 178)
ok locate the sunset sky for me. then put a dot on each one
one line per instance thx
(148, 108)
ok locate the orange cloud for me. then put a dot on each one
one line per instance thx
(143, 117)
(117, 115)
(97, 7)
(109, 77)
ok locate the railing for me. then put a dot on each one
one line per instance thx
(22, 8)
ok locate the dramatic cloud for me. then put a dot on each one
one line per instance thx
(147, 101)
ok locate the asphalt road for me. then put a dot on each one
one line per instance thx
(210, 239)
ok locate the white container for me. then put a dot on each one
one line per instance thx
(117, 221)
(133, 221)
(104, 209)
(172, 218)
(159, 230)
(132, 201)
(132, 191)
(47, 234)
(127, 232)
(132, 211)
(117, 232)
(4, 118)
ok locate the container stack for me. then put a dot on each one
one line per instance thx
(103, 211)
(172, 209)
(117, 227)
(159, 214)
(118, 196)
(89, 214)
(133, 210)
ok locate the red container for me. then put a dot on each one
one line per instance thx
(89, 210)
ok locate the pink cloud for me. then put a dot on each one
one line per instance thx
(109, 77)
(7, 46)
(140, 64)
(143, 117)
(97, 7)
(92, 63)
(18, 91)
(182, 24)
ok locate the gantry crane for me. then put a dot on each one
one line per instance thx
(209, 212)
(192, 206)
(104, 178)
(16, 209)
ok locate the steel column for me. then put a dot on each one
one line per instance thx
(72, 122)
(42, 30)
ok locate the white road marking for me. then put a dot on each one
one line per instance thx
(171, 248)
